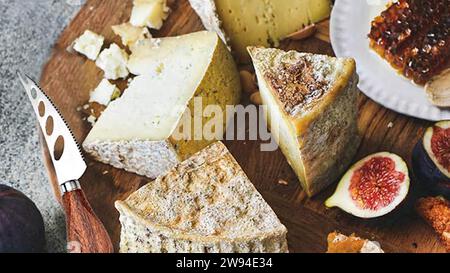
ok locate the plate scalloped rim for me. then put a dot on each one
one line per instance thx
(391, 92)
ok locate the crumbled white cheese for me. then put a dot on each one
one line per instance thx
(371, 247)
(149, 13)
(89, 44)
(103, 93)
(113, 61)
(130, 34)
(390, 124)
(91, 119)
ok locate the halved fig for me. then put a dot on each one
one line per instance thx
(373, 187)
(431, 159)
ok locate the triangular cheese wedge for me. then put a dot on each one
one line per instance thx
(204, 204)
(257, 22)
(136, 132)
(312, 111)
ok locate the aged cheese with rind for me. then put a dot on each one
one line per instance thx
(312, 111)
(139, 131)
(205, 204)
(246, 23)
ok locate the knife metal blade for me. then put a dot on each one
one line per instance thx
(70, 165)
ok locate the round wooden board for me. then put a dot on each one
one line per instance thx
(68, 78)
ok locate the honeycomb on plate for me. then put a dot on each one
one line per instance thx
(414, 37)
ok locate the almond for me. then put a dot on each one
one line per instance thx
(248, 81)
(302, 33)
(255, 98)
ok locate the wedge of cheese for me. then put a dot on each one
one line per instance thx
(312, 111)
(140, 131)
(205, 204)
(245, 23)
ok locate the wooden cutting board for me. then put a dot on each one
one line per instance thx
(68, 78)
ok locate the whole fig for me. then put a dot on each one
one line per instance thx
(21, 224)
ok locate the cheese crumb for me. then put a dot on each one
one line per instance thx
(371, 247)
(390, 125)
(104, 92)
(89, 44)
(130, 34)
(149, 13)
(91, 119)
(113, 61)
(283, 182)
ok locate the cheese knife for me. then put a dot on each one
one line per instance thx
(85, 232)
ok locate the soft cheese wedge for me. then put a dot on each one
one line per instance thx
(245, 23)
(204, 204)
(312, 111)
(140, 131)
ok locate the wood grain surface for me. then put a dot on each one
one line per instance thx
(68, 78)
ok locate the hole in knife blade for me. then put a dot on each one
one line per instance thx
(33, 93)
(58, 148)
(49, 126)
(41, 108)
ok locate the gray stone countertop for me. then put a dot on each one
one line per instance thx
(28, 30)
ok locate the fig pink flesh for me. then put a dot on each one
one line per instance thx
(440, 146)
(376, 184)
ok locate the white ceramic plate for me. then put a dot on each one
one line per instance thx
(349, 26)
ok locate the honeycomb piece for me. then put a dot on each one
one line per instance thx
(414, 37)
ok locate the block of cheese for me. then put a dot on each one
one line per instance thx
(130, 34)
(113, 61)
(205, 204)
(104, 92)
(150, 13)
(89, 44)
(312, 111)
(139, 132)
(257, 22)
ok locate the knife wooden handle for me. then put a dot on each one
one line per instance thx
(85, 232)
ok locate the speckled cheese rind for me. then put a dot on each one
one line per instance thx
(204, 204)
(135, 155)
(207, 11)
(314, 99)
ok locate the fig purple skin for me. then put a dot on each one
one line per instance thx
(21, 224)
(428, 173)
